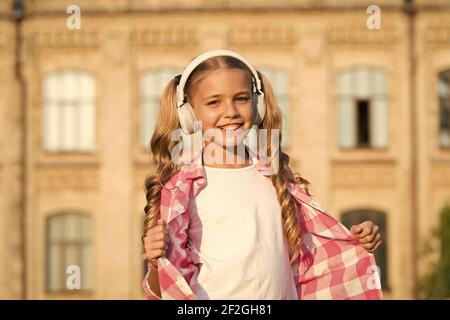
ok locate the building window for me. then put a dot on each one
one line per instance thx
(444, 108)
(363, 123)
(151, 87)
(69, 242)
(68, 111)
(362, 105)
(279, 80)
(351, 218)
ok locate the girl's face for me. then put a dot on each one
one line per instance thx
(222, 101)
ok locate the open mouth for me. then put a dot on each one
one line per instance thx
(231, 127)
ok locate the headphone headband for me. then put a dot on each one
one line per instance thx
(205, 56)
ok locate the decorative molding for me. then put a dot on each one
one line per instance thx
(116, 46)
(262, 35)
(438, 34)
(213, 36)
(144, 6)
(69, 38)
(363, 174)
(313, 45)
(168, 36)
(359, 33)
(68, 177)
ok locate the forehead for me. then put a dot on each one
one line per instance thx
(224, 81)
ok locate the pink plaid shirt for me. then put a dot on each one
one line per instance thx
(332, 264)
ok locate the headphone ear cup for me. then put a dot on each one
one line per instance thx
(187, 118)
(260, 109)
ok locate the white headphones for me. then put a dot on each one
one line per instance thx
(185, 111)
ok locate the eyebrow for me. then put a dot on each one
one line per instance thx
(218, 95)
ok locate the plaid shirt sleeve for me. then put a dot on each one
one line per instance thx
(332, 263)
(176, 269)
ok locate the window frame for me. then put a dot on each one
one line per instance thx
(153, 97)
(62, 244)
(375, 91)
(272, 73)
(81, 101)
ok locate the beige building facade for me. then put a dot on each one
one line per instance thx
(365, 112)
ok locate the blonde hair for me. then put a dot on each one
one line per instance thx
(161, 146)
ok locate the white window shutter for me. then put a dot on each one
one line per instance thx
(379, 124)
(68, 111)
(443, 88)
(50, 113)
(379, 112)
(346, 110)
(347, 128)
(86, 112)
(279, 80)
(68, 128)
(363, 83)
(152, 84)
(69, 241)
(344, 84)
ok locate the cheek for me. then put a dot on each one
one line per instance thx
(247, 114)
(208, 118)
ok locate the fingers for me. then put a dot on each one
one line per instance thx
(154, 254)
(156, 241)
(161, 244)
(378, 243)
(356, 229)
(371, 237)
(158, 251)
(368, 234)
(159, 227)
(373, 246)
(159, 236)
(367, 228)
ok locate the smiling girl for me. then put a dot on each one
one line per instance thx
(227, 225)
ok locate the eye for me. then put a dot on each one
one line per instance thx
(243, 99)
(213, 102)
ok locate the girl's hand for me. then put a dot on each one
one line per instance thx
(368, 234)
(156, 241)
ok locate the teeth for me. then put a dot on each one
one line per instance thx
(231, 127)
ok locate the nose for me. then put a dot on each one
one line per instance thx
(230, 109)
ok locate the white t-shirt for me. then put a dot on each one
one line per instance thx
(236, 230)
